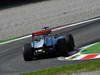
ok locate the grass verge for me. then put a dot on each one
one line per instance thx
(92, 50)
(68, 70)
(1, 41)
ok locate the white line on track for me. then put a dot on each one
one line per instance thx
(97, 56)
(58, 28)
(76, 24)
(16, 39)
(80, 55)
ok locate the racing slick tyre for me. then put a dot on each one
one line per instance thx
(65, 45)
(62, 48)
(27, 53)
(70, 42)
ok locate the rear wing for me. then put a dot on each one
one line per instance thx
(43, 32)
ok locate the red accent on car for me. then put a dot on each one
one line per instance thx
(40, 32)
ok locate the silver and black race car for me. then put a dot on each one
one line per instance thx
(45, 44)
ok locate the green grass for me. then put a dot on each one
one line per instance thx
(93, 49)
(68, 70)
(1, 41)
(74, 56)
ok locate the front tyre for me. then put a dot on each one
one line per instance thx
(27, 52)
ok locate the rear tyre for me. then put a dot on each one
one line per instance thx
(70, 42)
(27, 53)
(65, 45)
(62, 47)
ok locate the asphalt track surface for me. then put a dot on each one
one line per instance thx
(22, 20)
(12, 63)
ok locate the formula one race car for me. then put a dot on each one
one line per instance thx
(46, 44)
